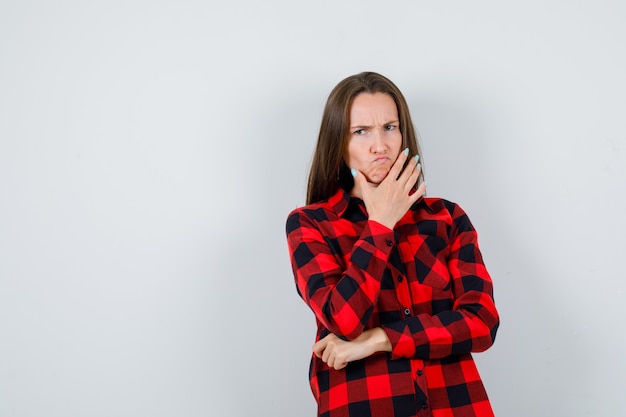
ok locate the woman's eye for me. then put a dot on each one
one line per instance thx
(359, 132)
(390, 127)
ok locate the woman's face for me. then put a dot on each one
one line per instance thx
(375, 138)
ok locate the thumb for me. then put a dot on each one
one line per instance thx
(361, 185)
(358, 176)
(318, 348)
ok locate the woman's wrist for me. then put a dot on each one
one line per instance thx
(389, 224)
(377, 339)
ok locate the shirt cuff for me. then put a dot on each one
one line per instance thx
(402, 342)
(383, 237)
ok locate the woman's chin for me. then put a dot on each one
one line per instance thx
(377, 177)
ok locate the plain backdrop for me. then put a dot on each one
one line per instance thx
(150, 152)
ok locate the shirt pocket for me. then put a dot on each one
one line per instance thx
(430, 258)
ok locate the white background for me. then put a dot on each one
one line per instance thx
(150, 152)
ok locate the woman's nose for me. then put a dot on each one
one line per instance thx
(378, 142)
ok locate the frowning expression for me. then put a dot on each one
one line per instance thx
(375, 137)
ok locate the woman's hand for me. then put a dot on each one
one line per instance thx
(387, 202)
(337, 353)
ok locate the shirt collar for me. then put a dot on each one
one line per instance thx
(340, 201)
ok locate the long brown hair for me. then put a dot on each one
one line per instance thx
(328, 169)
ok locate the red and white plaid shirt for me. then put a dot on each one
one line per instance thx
(424, 283)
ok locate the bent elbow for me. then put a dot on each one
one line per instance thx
(488, 338)
(344, 324)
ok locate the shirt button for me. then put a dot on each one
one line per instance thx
(424, 406)
(400, 278)
(420, 372)
(389, 242)
(407, 311)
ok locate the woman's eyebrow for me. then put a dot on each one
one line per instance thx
(367, 126)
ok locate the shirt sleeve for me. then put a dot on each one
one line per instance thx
(472, 322)
(341, 294)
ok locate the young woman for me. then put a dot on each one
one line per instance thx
(396, 281)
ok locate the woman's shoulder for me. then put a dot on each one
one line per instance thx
(309, 214)
(438, 207)
(323, 210)
(448, 211)
(324, 205)
(437, 204)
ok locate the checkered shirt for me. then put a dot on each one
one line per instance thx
(424, 283)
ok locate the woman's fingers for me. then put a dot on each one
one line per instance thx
(412, 166)
(413, 177)
(388, 201)
(396, 168)
(421, 190)
(337, 353)
(327, 355)
(407, 179)
(329, 350)
(319, 346)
